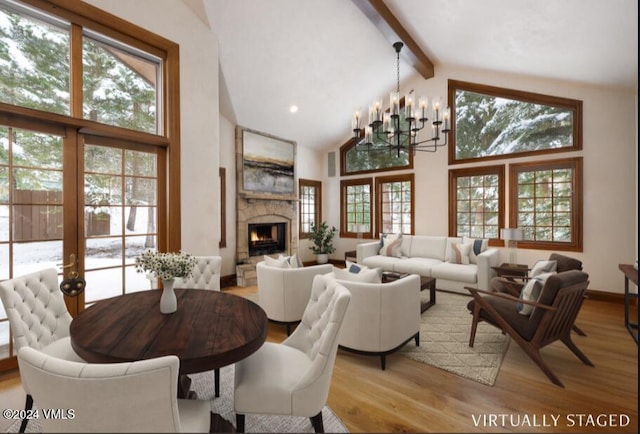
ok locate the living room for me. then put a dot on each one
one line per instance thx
(208, 122)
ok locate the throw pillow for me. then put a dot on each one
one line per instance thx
(448, 254)
(460, 253)
(294, 260)
(543, 266)
(479, 246)
(391, 245)
(530, 292)
(353, 267)
(366, 275)
(277, 263)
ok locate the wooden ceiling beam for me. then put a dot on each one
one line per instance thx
(380, 15)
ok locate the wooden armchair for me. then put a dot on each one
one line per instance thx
(552, 318)
(513, 284)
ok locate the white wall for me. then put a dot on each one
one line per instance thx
(610, 172)
(199, 119)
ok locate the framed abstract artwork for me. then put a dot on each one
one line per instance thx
(266, 165)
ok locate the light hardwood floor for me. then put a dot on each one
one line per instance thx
(412, 397)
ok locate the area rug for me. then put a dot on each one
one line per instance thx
(203, 385)
(444, 341)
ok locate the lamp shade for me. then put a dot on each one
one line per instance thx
(512, 234)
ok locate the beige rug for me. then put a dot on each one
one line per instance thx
(444, 341)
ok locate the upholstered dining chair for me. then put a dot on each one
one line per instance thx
(112, 397)
(514, 284)
(205, 275)
(38, 318)
(551, 319)
(293, 377)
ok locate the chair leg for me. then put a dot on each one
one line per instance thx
(316, 421)
(28, 404)
(216, 375)
(578, 330)
(288, 329)
(239, 422)
(417, 339)
(569, 343)
(474, 324)
(537, 358)
(383, 361)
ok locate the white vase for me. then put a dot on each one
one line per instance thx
(168, 301)
(322, 258)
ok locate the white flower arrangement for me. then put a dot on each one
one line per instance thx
(166, 265)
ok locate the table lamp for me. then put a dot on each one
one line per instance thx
(360, 230)
(512, 236)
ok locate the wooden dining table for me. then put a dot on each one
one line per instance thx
(209, 330)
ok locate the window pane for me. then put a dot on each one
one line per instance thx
(120, 85)
(34, 61)
(488, 125)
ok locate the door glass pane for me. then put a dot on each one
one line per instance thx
(31, 205)
(118, 228)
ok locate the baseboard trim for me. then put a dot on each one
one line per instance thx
(228, 281)
(611, 297)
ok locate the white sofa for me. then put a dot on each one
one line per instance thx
(382, 317)
(427, 256)
(283, 293)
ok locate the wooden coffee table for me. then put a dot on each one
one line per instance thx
(425, 283)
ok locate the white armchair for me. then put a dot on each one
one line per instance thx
(382, 317)
(114, 397)
(205, 275)
(38, 318)
(293, 378)
(283, 293)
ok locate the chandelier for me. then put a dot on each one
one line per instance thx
(396, 134)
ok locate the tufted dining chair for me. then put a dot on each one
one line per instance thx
(293, 377)
(112, 397)
(205, 275)
(38, 318)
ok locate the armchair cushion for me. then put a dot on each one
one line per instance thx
(293, 261)
(565, 263)
(530, 292)
(277, 263)
(543, 266)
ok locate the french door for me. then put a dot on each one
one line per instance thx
(77, 203)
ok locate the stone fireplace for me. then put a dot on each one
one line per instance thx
(273, 224)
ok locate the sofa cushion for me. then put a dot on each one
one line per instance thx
(391, 244)
(421, 266)
(478, 246)
(456, 272)
(424, 246)
(460, 253)
(448, 254)
(387, 263)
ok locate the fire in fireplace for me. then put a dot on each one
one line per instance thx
(266, 238)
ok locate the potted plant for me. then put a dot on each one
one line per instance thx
(322, 239)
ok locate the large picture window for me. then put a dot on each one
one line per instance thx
(491, 123)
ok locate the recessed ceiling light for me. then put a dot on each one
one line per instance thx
(293, 108)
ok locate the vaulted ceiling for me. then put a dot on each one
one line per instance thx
(328, 57)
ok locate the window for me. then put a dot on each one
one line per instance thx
(356, 208)
(120, 83)
(490, 123)
(310, 206)
(546, 201)
(395, 204)
(476, 207)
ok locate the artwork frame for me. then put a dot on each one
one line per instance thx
(265, 165)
